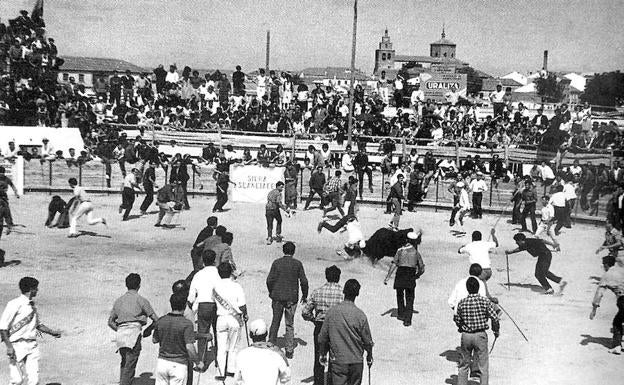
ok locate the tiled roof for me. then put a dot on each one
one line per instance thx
(95, 64)
(443, 41)
(333, 72)
(427, 59)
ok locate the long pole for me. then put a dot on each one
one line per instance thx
(268, 51)
(352, 85)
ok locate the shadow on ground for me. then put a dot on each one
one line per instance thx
(394, 312)
(604, 341)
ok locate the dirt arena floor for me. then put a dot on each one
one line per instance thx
(80, 278)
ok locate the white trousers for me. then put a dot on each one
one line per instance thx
(227, 338)
(170, 373)
(25, 371)
(85, 208)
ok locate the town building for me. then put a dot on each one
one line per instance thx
(85, 70)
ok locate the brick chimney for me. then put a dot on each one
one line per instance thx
(545, 66)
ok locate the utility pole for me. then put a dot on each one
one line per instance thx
(268, 50)
(351, 88)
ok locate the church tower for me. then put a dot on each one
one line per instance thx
(384, 56)
(443, 48)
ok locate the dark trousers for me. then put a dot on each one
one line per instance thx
(122, 166)
(333, 228)
(222, 198)
(196, 258)
(116, 97)
(149, 197)
(360, 173)
(185, 196)
(346, 374)
(561, 215)
(108, 170)
(319, 370)
(617, 323)
(313, 191)
(270, 216)
(5, 215)
(543, 274)
(405, 303)
(516, 214)
(129, 359)
(455, 210)
(288, 310)
(127, 201)
(206, 317)
(473, 344)
(529, 210)
(477, 198)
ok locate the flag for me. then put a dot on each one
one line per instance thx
(37, 13)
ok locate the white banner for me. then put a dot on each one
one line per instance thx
(15, 171)
(253, 183)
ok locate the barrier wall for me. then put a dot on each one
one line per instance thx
(61, 138)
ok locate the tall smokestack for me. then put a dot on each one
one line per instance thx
(545, 66)
(268, 50)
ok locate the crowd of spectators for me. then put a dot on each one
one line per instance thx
(276, 102)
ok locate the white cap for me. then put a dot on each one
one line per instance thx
(258, 327)
(460, 184)
(413, 235)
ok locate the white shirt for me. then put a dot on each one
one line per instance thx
(418, 96)
(81, 194)
(16, 310)
(129, 181)
(460, 292)
(576, 170)
(548, 213)
(344, 110)
(569, 191)
(172, 77)
(211, 96)
(437, 133)
(231, 292)
(446, 163)
(347, 162)
(261, 366)
(558, 199)
(478, 185)
(464, 199)
(201, 286)
(262, 81)
(479, 252)
(355, 233)
(497, 96)
(546, 172)
(452, 97)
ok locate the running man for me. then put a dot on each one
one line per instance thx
(5, 209)
(462, 206)
(355, 243)
(396, 197)
(127, 194)
(548, 219)
(537, 248)
(273, 206)
(82, 206)
(479, 252)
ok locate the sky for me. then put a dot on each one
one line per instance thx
(495, 36)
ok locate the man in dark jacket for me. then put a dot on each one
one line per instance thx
(283, 282)
(317, 182)
(361, 164)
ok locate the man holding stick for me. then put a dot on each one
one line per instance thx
(537, 248)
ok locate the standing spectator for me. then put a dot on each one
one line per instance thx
(5, 209)
(547, 220)
(128, 87)
(224, 91)
(497, 98)
(291, 175)
(149, 184)
(478, 187)
(172, 78)
(347, 162)
(101, 87)
(317, 182)
(516, 198)
(471, 319)
(529, 197)
(161, 75)
(613, 280)
(283, 282)
(396, 196)
(176, 337)
(128, 194)
(223, 183)
(315, 310)
(569, 190)
(261, 362)
(409, 267)
(114, 86)
(238, 82)
(362, 166)
(231, 316)
(331, 194)
(346, 334)
(558, 201)
(201, 300)
(20, 326)
(129, 315)
(272, 212)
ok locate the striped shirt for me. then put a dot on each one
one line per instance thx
(333, 185)
(473, 313)
(324, 298)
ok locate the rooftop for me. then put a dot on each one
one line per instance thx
(98, 64)
(428, 59)
(333, 72)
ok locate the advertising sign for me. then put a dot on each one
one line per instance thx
(436, 85)
(253, 183)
